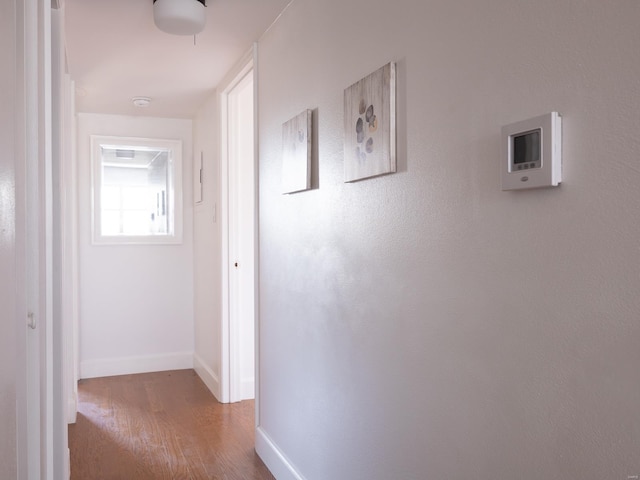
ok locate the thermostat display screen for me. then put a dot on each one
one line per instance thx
(532, 153)
(526, 148)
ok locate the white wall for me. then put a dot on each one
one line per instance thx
(425, 324)
(136, 301)
(207, 250)
(8, 311)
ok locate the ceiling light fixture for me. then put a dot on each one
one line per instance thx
(179, 17)
(141, 101)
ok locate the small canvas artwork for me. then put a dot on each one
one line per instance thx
(370, 125)
(296, 153)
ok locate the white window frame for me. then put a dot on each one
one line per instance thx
(174, 203)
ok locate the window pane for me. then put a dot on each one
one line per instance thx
(136, 189)
(134, 184)
(110, 198)
(111, 222)
(138, 198)
(136, 223)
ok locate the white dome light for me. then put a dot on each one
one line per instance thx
(179, 17)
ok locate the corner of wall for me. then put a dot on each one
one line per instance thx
(273, 458)
(131, 365)
(207, 375)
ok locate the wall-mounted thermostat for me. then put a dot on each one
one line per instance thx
(532, 153)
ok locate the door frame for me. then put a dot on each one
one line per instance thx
(37, 432)
(230, 390)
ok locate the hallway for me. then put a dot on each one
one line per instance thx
(163, 425)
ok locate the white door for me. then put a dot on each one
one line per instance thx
(241, 237)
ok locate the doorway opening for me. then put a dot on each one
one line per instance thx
(238, 168)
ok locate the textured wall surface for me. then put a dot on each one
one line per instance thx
(135, 300)
(425, 324)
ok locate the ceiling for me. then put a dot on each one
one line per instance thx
(115, 53)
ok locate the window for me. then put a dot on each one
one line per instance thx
(137, 197)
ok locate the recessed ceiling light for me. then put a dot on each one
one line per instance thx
(141, 101)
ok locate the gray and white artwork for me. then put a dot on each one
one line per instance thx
(296, 153)
(370, 125)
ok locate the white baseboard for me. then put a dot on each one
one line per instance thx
(248, 389)
(109, 367)
(67, 465)
(273, 458)
(72, 408)
(207, 375)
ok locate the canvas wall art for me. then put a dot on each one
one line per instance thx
(296, 153)
(370, 125)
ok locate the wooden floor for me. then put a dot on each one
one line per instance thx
(164, 425)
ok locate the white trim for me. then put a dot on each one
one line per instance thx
(69, 218)
(72, 408)
(67, 464)
(109, 367)
(174, 205)
(256, 243)
(274, 459)
(208, 377)
(47, 360)
(238, 72)
(224, 244)
(247, 388)
(67, 182)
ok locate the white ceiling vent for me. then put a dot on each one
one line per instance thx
(141, 101)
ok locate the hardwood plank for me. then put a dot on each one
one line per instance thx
(163, 425)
